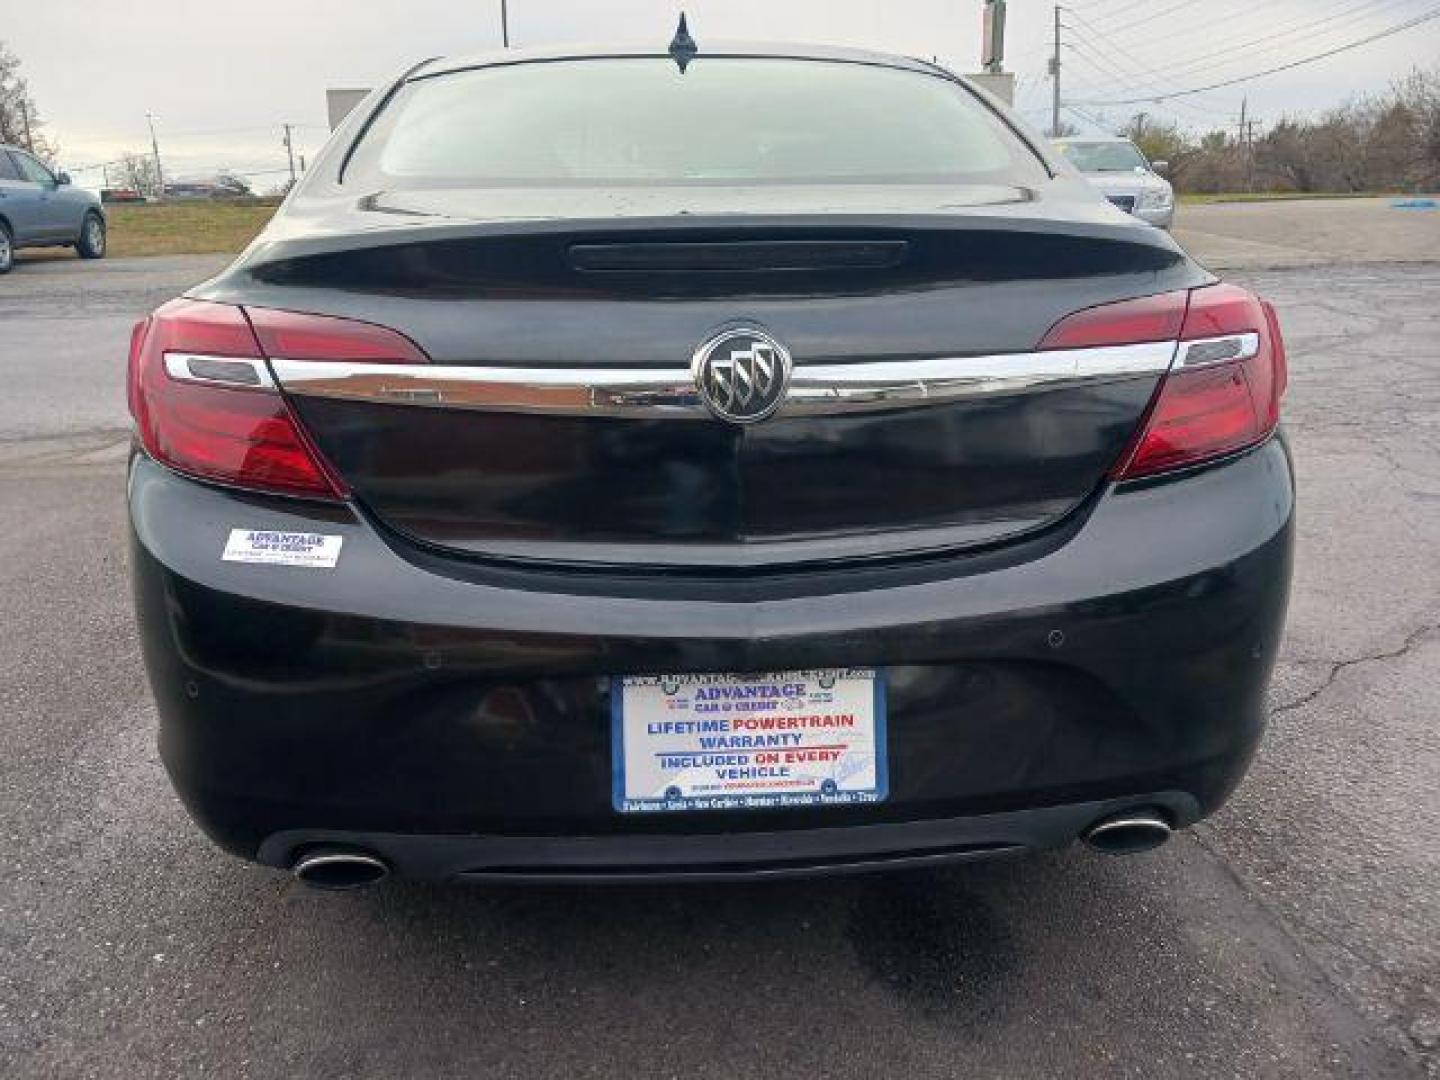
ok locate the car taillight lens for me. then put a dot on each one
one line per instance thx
(1128, 322)
(204, 402)
(1223, 391)
(296, 336)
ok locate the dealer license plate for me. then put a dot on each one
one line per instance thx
(724, 742)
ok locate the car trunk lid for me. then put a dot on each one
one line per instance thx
(571, 303)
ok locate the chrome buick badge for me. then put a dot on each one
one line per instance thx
(742, 374)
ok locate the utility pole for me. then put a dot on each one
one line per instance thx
(290, 153)
(155, 149)
(1250, 155)
(1055, 75)
(504, 24)
(1243, 144)
(25, 122)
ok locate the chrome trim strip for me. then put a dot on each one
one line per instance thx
(1203, 352)
(823, 388)
(671, 392)
(244, 373)
(558, 391)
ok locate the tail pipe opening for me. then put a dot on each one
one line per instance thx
(1129, 832)
(339, 868)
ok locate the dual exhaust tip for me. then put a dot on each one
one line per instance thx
(331, 868)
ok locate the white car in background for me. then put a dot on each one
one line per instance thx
(1117, 167)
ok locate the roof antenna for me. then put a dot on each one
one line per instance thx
(682, 46)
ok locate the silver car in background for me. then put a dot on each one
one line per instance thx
(1117, 167)
(40, 208)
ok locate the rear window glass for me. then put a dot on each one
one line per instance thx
(724, 121)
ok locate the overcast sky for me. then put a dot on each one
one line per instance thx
(221, 78)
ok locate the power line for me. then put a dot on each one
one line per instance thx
(1150, 17)
(1146, 74)
(171, 137)
(1201, 113)
(237, 130)
(1164, 83)
(1433, 13)
(1293, 35)
(1107, 16)
(1095, 55)
(1089, 118)
(1248, 23)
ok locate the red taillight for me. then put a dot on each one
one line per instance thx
(1222, 393)
(1128, 322)
(204, 402)
(322, 337)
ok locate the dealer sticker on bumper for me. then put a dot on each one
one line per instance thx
(722, 742)
(282, 548)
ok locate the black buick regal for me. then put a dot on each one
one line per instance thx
(698, 464)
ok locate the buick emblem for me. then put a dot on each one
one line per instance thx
(742, 374)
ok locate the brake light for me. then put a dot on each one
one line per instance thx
(1223, 391)
(205, 404)
(296, 336)
(1128, 322)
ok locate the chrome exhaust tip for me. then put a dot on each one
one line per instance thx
(1128, 833)
(336, 868)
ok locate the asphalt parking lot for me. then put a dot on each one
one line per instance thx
(1307, 232)
(1294, 934)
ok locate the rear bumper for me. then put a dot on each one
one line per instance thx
(455, 718)
(731, 855)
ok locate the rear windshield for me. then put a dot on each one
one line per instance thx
(640, 121)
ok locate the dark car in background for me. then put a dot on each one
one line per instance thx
(621, 463)
(221, 186)
(41, 208)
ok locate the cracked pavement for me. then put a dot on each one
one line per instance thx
(1293, 934)
(1334, 828)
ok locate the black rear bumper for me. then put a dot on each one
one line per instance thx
(731, 855)
(455, 718)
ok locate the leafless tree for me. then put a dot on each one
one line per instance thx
(1162, 142)
(1390, 142)
(20, 122)
(137, 173)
